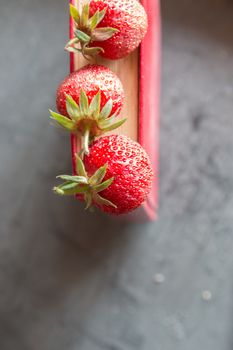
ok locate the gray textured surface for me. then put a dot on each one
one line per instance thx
(64, 284)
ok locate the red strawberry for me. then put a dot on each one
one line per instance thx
(117, 176)
(89, 100)
(91, 78)
(111, 28)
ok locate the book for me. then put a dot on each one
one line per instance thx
(140, 75)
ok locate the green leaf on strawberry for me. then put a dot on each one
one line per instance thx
(89, 187)
(86, 31)
(87, 119)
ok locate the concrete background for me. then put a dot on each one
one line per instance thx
(73, 281)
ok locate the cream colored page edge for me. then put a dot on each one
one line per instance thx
(127, 70)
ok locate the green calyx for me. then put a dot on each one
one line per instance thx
(87, 186)
(86, 31)
(87, 119)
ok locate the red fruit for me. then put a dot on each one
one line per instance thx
(129, 17)
(129, 165)
(91, 79)
(123, 175)
(89, 101)
(110, 28)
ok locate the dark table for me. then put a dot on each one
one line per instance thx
(74, 281)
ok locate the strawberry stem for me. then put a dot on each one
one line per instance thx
(85, 141)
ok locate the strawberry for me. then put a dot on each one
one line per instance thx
(91, 78)
(110, 28)
(89, 100)
(116, 176)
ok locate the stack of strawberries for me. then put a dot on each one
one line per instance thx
(113, 172)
